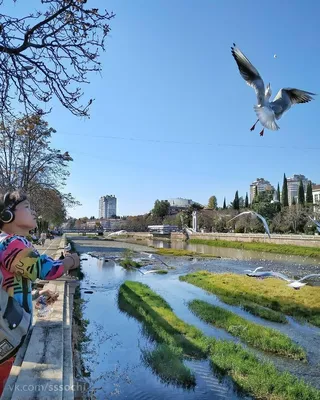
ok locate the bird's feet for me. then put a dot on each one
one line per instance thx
(253, 126)
(262, 132)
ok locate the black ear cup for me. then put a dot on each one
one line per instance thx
(7, 215)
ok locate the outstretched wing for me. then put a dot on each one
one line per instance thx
(315, 222)
(249, 73)
(281, 276)
(286, 97)
(239, 215)
(160, 259)
(265, 224)
(309, 276)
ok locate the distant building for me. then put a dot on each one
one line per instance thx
(316, 197)
(112, 224)
(293, 187)
(262, 186)
(180, 202)
(107, 206)
(163, 229)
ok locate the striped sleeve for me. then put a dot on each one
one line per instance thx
(20, 258)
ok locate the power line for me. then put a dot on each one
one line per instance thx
(136, 139)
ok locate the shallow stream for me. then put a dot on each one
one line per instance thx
(114, 357)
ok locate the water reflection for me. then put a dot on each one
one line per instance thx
(114, 357)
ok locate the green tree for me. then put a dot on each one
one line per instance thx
(278, 192)
(213, 203)
(161, 208)
(262, 205)
(49, 204)
(235, 203)
(26, 157)
(255, 191)
(285, 199)
(246, 202)
(195, 207)
(241, 202)
(309, 196)
(301, 193)
(224, 204)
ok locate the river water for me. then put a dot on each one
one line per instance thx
(114, 353)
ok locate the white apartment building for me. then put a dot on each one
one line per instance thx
(316, 197)
(180, 202)
(107, 206)
(262, 185)
(293, 187)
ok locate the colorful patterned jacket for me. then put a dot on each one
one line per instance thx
(21, 264)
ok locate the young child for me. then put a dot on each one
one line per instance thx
(20, 262)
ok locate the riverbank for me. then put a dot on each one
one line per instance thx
(294, 250)
(276, 239)
(293, 245)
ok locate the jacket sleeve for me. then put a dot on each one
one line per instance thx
(20, 258)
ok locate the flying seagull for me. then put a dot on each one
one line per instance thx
(118, 233)
(265, 224)
(266, 111)
(295, 284)
(253, 271)
(316, 223)
(154, 257)
(146, 272)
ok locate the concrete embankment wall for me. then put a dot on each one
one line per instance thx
(297, 240)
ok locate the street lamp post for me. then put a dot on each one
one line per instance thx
(39, 223)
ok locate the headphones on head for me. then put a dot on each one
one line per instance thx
(7, 215)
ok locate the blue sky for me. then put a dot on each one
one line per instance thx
(172, 115)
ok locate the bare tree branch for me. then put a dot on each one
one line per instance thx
(50, 53)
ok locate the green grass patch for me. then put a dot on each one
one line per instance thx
(255, 309)
(160, 323)
(183, 253)
(271, 293)
(259, 379)
(167, 362)
(268, 247)
(128, 263)
(256, 335)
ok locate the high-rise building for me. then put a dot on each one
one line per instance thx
(107, 206)
(293, 187)
(262, 186)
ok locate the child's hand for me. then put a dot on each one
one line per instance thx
(71, 261)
